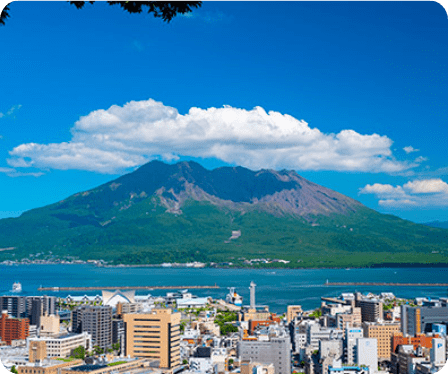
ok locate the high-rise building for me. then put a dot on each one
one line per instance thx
(438, 351)
(97, 321)
(416, 320)
(36, 306)
(153, 335)
(371, 310)
(118, 333)
(352, 334)
(367, 353)
(37, 351)
(13, 328)
(383, 332)
(14, 305)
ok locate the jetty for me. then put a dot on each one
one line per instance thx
(108, 288)
(386, 284)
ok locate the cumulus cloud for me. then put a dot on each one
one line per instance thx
(410, 149)
(422, 193)
(123, 137)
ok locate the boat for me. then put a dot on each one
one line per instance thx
(16, 287)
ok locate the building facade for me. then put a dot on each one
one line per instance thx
(95, 320)
(153, 335)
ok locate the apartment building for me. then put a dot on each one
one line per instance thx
(95, 320)
(383, 332)
(154, 335)
(13, 328)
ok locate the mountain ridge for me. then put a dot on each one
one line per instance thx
(184, 212)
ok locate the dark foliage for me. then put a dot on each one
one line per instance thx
(160, 9)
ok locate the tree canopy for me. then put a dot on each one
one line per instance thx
(159, 9)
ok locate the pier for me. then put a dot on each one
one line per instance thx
(108, 288)
(386, 284)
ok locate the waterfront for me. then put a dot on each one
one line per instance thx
(275, 287)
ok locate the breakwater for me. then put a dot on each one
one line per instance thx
(389, 284)
(108, 288)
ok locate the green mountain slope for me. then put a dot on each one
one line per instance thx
(180, 213)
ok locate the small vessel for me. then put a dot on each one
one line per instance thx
(16, 287)
(233, 298)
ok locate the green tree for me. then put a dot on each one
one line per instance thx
(14, 370)
(159, 9)
(79, 352)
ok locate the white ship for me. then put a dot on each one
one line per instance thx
(233, 298)
(16, 287)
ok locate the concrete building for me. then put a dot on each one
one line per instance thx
(95, 320)
(438, 351)
(118, 333)
(276, 351)
(15, 306)
(64, 345)
(371, 310)
(315, 333)
(13, 328)
(383, 332)
(421, 340)
(37, 351)
(367, 353)
(352, 334)
(249, 367)
(38, 306)
(49, 326)
(292, 312)
(154, 335)
(416, 320)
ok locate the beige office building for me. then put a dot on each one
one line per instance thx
(154, 335)
(63, 346)
(383, 332)
(49, 325)
(292, 312)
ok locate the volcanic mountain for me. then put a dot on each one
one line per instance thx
(184, 212)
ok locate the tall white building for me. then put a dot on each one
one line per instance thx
(350, 343)
(367, 353)
(438, 351)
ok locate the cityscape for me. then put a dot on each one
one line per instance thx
(223, 187)
(121, 332)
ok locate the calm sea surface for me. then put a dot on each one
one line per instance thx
(276, 288)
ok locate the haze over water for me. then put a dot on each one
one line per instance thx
(275, 287)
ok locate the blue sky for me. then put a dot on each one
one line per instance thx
(351, 95)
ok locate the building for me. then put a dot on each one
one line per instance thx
(371, 310)
(383, 332)
(367, 353)
(153, 335)
(438, 351)
(249, 367)
(37, 351)
(419, 340)
(46, 367)
(15, 306)
(352, 334)
(416, 320)
(95, 320)
(13, 328)
(315, 333)
(64, 345)
(37, 306)
(292, 312)
(118, 333)
(49, 325)
(275, 351)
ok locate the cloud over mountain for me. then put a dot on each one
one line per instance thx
(123, 137)
(422, 193)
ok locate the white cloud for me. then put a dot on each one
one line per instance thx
(410, 149)
(118, 138)
(10, 172)
(422, 193)
(11, 111)
(427, 186)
